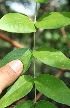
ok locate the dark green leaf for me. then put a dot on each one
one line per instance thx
(53, 88)
(18, 90)
(41, 1)
(24, 54)
(26, 104)
(45, 104)
(53, 20)
(52, 57)
(18, 23)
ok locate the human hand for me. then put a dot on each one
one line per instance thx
(9, 73)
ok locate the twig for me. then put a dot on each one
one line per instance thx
(63, 32)
(64, 35)
(14, 43)
(21, 100)
(59, 73)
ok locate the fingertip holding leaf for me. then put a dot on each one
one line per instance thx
(23, 54)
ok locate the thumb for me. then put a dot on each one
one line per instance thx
(9, 73)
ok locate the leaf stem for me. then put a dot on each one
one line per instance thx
(34, 48)
(35, 13)
(35, 22)
(34, 77)
(34, 40)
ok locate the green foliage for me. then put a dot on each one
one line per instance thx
(53, 20)
(18, 23)
(52, 57)
(17, 90)
(49, 85)
(40, 104)
(53, 88)
(24, 54)
(45, 104)
(26, 104)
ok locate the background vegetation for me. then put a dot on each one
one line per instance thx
(58, 38)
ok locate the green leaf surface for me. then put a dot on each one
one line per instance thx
(41, 1)
(45, 104)
(18, 90)
(53, 88)
(26, 104)
(17, 23)
(52, 57)
(53, 20)
(24, 54)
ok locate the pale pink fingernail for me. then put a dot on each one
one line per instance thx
(16, 65)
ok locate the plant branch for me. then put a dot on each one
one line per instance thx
(9, 40)
(64, 35)
(63, 32)
(34, 49)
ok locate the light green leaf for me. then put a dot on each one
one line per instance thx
(18, 90)
(45, 104)
(24, 54)
(53, 88)
(26, 104)
(41, 1)
(53, 20)
(52, 57)
(18, 23)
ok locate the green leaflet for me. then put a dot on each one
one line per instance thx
(45, 104)
(52, 57)
(53, 88)
(17, 23)
(24, 54)
(18, 90)
(53, 20)
(26, 104)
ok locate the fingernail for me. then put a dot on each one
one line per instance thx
(16, 65)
